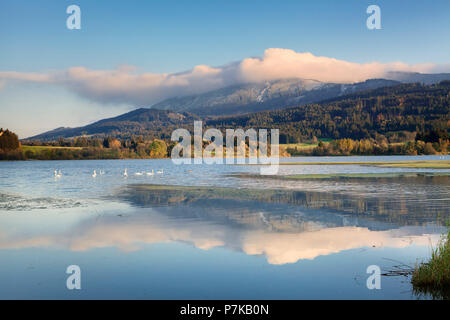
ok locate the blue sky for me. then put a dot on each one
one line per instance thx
(172, 36)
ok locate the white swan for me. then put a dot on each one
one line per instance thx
(125, 173)
(58, 175)
(94, 174)
(160, 171)
(151, 173)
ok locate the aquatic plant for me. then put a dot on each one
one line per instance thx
(433, 277)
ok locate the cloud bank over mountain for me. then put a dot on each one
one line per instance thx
(126, 85)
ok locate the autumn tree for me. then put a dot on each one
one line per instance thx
(158, 149)
(8, 140)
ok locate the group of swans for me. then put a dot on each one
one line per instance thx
(94, 174)
(151, 173)
(125, 173)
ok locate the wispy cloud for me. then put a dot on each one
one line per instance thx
(126, 85)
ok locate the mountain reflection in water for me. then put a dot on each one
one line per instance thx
(427, 203)
(283, 225)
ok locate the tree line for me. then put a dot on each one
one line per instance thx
(82, 148)
(438, 144)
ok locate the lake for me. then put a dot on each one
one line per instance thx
(216, 231)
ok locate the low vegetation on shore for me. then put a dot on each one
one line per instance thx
(434, 164)
(433, 277)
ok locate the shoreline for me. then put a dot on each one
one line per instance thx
(282, 163)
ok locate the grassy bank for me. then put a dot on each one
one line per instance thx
(417, 164)
(338, 176)
(37, 149)
(433, 277)
(434, 164)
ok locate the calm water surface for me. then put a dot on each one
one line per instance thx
(223, 237)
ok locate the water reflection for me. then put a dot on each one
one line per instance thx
(417, 201)
(284, 226)
(207, 241)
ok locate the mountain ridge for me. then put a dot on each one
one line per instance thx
(392, 102)
(262, 96)
(282, 93)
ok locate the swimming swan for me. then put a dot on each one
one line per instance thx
(151, 173)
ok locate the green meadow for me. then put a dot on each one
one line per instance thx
(438, 164)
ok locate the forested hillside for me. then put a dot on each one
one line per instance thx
(384, 111)
(406, 107)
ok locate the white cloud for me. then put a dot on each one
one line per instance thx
(278, 247)
(126, 85)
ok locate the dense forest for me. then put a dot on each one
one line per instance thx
(386, 111)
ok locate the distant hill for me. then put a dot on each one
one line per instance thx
(403, 107)
(412, 77)
(137, 122)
